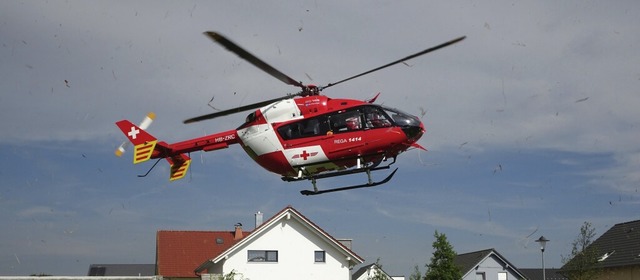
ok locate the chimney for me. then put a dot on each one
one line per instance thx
(238, 233)
(258, 219)
(346, 242)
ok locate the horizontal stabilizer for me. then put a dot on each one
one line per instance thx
(179, 166)
(142, 152)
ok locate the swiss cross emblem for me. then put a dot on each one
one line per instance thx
(305, 155)
(133, 133)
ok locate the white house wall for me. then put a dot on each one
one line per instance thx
(491, 266)
(371, 273)
(295, 245)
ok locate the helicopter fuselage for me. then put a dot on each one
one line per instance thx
(316, 134)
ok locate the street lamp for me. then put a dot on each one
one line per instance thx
(543, 242)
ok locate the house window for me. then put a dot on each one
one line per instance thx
(319, 256)
(502, 276)
(262, 256)
(480, 276)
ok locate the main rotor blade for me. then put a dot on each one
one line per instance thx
(237, 109)
(400, 60)
(233, 47)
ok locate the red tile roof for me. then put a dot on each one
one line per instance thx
(179, 253)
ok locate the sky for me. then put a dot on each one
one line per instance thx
(532, 125)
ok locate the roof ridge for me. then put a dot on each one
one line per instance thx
(205, 231)
(475, 252)
(629, 222)
(321, 230)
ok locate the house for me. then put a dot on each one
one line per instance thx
(486, 264)
(122, 270)
(81, 278)
(549, 274)
(286, 246)
(369, 271)
(617, 251)
(178, 253)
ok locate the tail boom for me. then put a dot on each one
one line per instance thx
(147, 147)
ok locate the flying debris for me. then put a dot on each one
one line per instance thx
(498, 168)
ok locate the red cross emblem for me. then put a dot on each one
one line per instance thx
(305, 155)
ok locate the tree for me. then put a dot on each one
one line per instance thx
(416, 275)
(378, 274)
(582, 263)
(442, 266)
(232, 275)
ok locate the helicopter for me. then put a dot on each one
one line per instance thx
(301, 136)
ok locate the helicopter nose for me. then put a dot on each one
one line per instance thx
(414, 132)
(410, 125)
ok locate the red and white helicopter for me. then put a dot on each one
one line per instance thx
(302, 136)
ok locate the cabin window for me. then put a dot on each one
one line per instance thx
(319, 256)
(338, 122)
(345, 121)
(262, 256)
(304, 128)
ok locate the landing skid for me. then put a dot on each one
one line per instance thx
(366, 185)
(360, 168)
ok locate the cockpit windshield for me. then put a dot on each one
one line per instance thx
(401, 118)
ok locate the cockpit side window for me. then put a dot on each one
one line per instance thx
(345, 121)
(375, 117)
(338, 122)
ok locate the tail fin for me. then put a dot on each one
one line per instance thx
(148, 119)
(144, 143)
